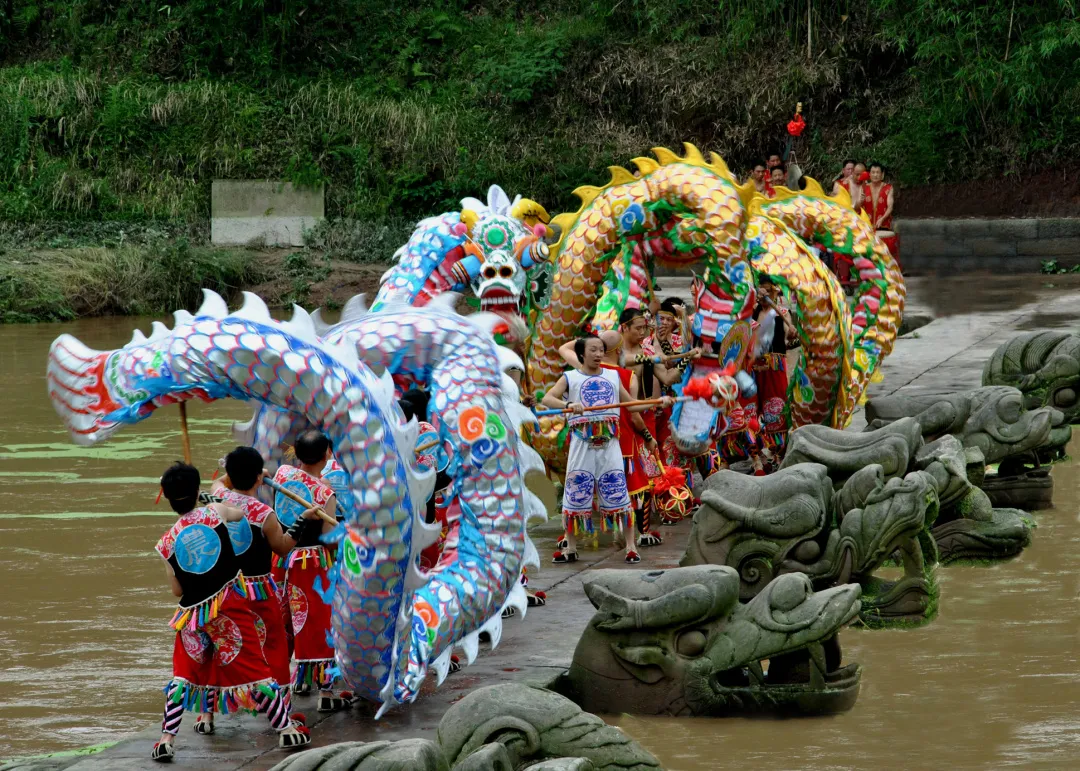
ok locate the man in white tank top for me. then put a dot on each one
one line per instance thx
(595, 466)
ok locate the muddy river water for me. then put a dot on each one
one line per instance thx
(85, 648)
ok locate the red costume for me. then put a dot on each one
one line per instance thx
(255, 556)
(876, 207)
(218, 659)
(297, 573)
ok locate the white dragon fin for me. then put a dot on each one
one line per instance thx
(446, 300)
(245, 432)
(485, 321)
(320, 324)
(520, 415)
(253, 309)
(355, 308)
(213, 305)
(534, 507)
(414, 578)
(386, 389)
(493, 627)
(137, 338)
(441, 665)
(182, 317)
(475, 204)
(517, 599)
(158, 331)
(498, 200)
(508, 360)
(345, 353)
(532, 556)
(301, 326)
(471, 645)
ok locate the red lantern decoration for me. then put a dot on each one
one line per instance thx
(796, 126)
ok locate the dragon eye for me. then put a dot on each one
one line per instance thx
(1066, 397)
(691, 644)
(490, 272)
(506, 271)
(789, 594)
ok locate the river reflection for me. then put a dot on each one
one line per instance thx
(994, 681)
(85, 645)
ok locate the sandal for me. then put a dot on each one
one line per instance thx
(455, 665)
(536, 600)
(204, 727)
(632, 557)
(651, 539)
(298, 719)
(509, 611)
(668, 522)
(302, 689)
(287, 740)
(562, 544)
(163, 752)
(563, 557)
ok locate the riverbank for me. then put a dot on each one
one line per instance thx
(64, 284)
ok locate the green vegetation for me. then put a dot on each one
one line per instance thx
(136, 280)
(126, 111)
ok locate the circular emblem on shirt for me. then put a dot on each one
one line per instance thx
(197, 549)
(288, 510)
(596, 391)
(196, 645)
(240, 535)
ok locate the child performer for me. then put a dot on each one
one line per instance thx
(770, 371)
(595, 464)
(307, 565)
(218, 661)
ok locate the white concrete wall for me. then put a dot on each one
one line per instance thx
(263, 212)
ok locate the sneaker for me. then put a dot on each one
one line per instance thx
(536, 599)
(563, 557)
(632, 557)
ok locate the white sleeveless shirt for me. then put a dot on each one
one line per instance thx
(591, 391)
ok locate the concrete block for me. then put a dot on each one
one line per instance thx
(973, 228)
(1059, 228)
(1050, 247)
(920, 227)
(1021, 265)
(1014, 229)
(263, 212)
(992, 247)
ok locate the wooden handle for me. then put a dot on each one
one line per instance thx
(428, 445)
(293, 496)
(184, 433)
(633, 403)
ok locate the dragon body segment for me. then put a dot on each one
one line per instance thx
(683, 211)
(390, 622)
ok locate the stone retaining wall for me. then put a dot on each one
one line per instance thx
(969, 245)
(997, 245)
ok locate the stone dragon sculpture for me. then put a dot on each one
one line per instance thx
(681, 211)
(500, 727)
(967, 526)
(792, 522)
(391, 623)
(679, 642)
(1045, 366)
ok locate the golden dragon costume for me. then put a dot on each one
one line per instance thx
(689, 211)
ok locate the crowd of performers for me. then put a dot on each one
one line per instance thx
(623, 469)
(253, 618)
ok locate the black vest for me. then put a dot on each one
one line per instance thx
(203, 561)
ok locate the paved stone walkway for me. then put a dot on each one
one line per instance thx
(944, 356)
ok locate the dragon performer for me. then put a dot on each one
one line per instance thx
(686, 211)
(391, 623)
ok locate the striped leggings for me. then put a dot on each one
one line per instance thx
(278, 709)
